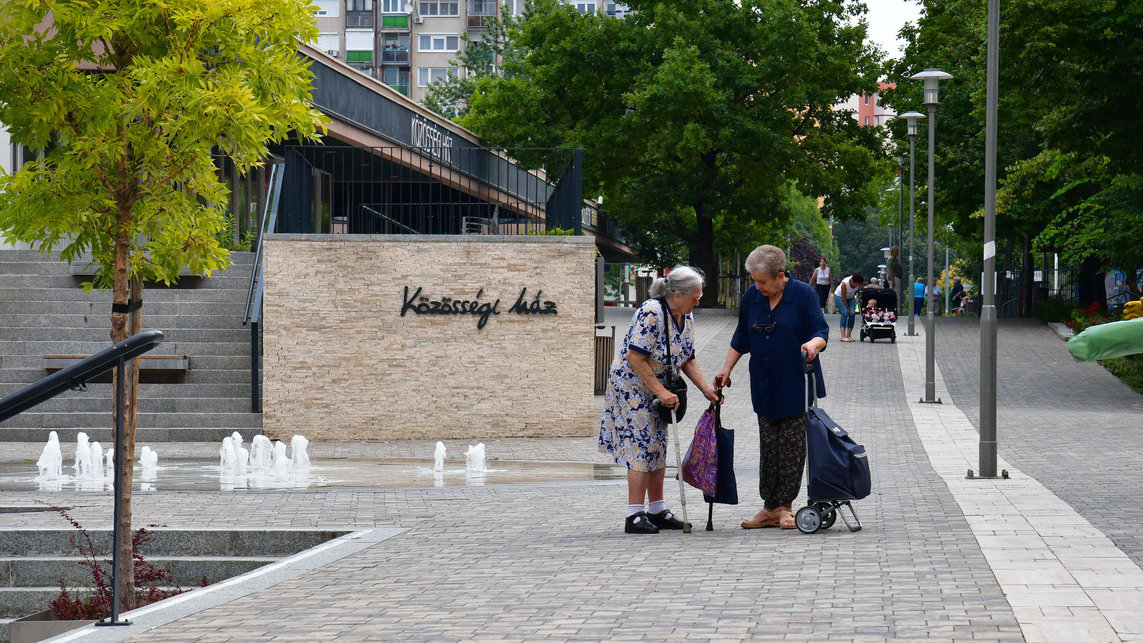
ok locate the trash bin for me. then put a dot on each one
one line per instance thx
(604, 354)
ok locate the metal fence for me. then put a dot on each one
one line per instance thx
(430, 190)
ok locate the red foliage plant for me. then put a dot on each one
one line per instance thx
(151, 583)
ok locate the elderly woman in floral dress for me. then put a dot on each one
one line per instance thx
(631, 430)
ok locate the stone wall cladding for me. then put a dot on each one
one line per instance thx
(341, 363)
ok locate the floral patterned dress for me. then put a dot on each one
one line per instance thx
(631, 431)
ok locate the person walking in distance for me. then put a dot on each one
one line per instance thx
(822, 280)
(918, 296)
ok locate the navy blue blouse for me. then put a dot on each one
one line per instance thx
(777, 382)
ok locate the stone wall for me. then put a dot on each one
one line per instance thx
(340, 362)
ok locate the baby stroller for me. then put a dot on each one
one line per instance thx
(879, 323)
(838, 467)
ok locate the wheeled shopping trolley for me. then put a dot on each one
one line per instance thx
(838, 467)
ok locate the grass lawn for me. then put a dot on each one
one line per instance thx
(1129, 369)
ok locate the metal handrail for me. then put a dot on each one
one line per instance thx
(76, 376)
(269, 223)
(390, 219)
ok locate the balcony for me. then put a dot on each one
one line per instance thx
(357, 19)
(395, 56)
(404, 89)
(480, 12)
(395, 22)
(478, 22)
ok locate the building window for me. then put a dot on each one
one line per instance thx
(429, 75)
(397, 78)
(438, 42)
(481, 7)
(439, 8)
(395, 48)
(584, 7)
(359, 5)
(866, 98)
(866, 120)
(392, 6)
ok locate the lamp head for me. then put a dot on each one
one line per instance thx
(911, 119)
(932, 78)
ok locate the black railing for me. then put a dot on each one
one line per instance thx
(76, 376)
(254, 296)
(430, 189)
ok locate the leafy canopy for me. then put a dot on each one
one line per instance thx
(125, 101)
(692, 115)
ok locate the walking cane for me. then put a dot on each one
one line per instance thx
(679, 474)
(655, 404)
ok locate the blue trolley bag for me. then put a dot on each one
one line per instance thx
(838, 467)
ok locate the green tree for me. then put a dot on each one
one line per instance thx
(450, 96)
(692, 115)
(128, 103)
(1067, 141)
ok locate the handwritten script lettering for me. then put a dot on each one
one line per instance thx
(420, 304)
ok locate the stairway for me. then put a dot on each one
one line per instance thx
(44, 310)
(33, 563)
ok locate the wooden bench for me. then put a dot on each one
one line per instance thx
(152, 368)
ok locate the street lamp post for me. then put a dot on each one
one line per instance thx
(932, 78)
(987, 463)
(900, 227)
(911, 119)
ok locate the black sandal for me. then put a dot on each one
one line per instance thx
(665, 520)
(641, 523)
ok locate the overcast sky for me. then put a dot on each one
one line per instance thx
(885, 18)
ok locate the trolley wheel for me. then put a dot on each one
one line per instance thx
(893, 341)
(829, 515)
(808, 520)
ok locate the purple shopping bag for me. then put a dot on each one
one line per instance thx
(700, 466)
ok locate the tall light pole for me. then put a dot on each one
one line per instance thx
(900, 228)
(911, 119)
(932, 78)
(987, 464)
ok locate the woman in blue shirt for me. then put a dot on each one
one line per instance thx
(778, 319)
(918, 296)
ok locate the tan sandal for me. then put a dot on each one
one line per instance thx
(786, 518)
(764, 518)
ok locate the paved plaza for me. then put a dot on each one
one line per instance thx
(1053, 554)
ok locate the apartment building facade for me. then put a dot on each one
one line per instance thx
(867, 107)
(410, 44)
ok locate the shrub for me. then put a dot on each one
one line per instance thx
(1082, 319)
(96, 604)
(1052, 310)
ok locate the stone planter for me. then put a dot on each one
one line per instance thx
(40, 627)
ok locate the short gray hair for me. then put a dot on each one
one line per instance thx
(768, 259)
(681, 279)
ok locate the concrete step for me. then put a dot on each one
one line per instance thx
(69, 404)
(226, 281)
(20, 377)
(167, 319)
(186, 571)
(170, 542)
(102, 309)
(180, 390)
(87, 347)
(143, 435)
(24, 255)
(150, 420)
(35, 293)
(234, 335)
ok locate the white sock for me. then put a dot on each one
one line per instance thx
(657, 507)
(634, 509)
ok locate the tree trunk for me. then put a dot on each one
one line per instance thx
(1091, 286)
(702, 256)
(122, 324)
